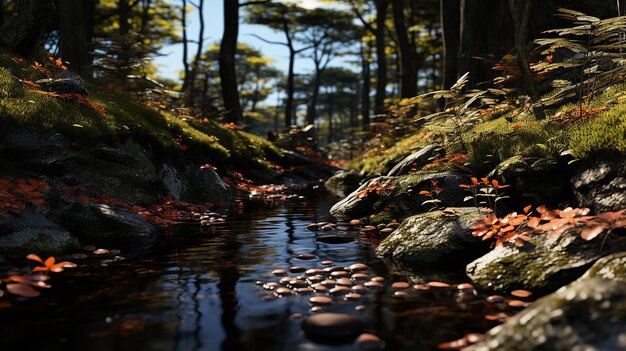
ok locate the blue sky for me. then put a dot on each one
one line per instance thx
(171, 63)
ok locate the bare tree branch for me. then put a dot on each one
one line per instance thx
(269, 41)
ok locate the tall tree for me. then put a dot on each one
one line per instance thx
(74, 22)
(282, 17)
(450, 23)
(23, 31)
(407, 53)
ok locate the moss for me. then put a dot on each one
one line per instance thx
(602, 136)
(160, 132)
(381, 162)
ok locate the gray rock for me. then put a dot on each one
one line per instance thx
(103, 224)
(31, 232)
(344, 182)
(332, 328)
(175, 184)
(417, 161)
(543, 264)
(587, 314)
(64, 82)
(400, 195)
(433, 238)
(602, 187)
(206, 185)
(360, 202)
(114, 155)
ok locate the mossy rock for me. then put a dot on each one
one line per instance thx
(435, 238)
(602, 186)
(542, 265)
(31, 232)
(344, 182)
(587, 314)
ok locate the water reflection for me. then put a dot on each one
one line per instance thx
(195, 291)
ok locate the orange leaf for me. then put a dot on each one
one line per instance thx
(521, 293)
(50, 261)
(527, 208)
(34, 258)
(40, 269)
(425, 192)
(590, 233)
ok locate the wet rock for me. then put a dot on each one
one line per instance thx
(30, 231)
(104, 224)
(369, 342)
(358, 267)
(373, 284)
(305, 257)
(359, 289)
(173, 182)
(64, 82)
(320, 300)
(313, 227)
(399, 195)
(602, 187)
(353, 296)
(359, 276)
(281, 292)
(279, 272)
(340, 274)
(400, 285)
(344, 282)
(432, 238)
(417, 160)
(344, 182)
(544, 264)
(297, 269)
(587, 314)
(339, 290)
(332, 328)
(208, 186)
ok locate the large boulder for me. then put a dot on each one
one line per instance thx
(417, 161)
(602, 187)
(105, 225)
(543, 264)
(31, 232)
(587, 314)
(400, 195)
(435, 238)
(206, 185)
(344, 182)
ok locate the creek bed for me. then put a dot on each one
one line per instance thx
(195, 290)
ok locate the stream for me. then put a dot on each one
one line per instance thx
(198, 289)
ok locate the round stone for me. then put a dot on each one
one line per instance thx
(359, 289)
(374, 285)
(340, 274)
(329, 283)
(285, 281)
(369, 342)
(314, 271)
(393, 225)
(438, 285)
(327, 263)
(333, 269)
(386, 231)
(316, 309)
(340, 290)
(279, 272)
(359, 276)
(400, 294)
(344, 282)
(296, 315)
(283, 292)
(465, 286)
(358, 267)
(327, 228)
(319, 288)
(297, 269)
(495, 299)
(304, 291)
(332, 328)
(400, 285)
(421, 287)
(320, 300)
(295, 283)
(360, 308)
(381, 226)
(355, 222)
(353, 297)
(314, 279)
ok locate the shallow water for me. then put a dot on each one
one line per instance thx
(195, 290)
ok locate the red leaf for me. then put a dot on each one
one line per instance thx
(527, 208)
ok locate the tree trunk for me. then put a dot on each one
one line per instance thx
(290, 88)
(381, 56)
(73, 40)
(311, 112)
(520, 21)
(228, 49)
(183, 19)
(408, 57)
(191, 87)
(365, 91)
(450, 23)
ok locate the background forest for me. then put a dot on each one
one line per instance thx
(366, 55)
